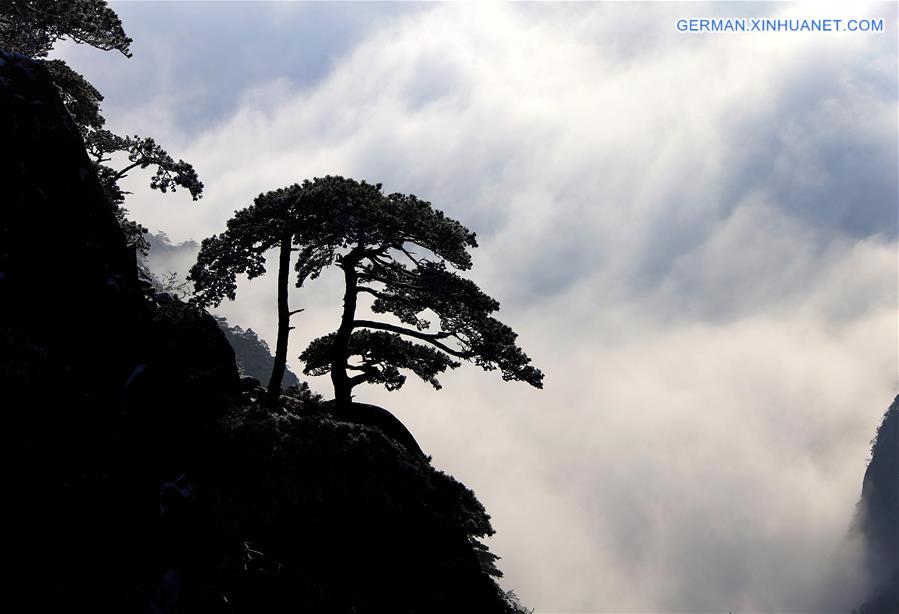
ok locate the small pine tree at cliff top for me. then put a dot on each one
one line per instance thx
(397, 249)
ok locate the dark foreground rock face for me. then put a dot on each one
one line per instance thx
(137, 476)
(878, 517)
(104, 394)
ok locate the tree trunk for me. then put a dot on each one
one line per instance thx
(340, 351)
(274, 384)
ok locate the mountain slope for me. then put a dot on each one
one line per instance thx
(878, 517)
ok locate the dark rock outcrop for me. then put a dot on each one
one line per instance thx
(138, 474)
(878, 517)
(372, 416)
(344, 520)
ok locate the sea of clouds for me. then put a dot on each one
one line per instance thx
(694, 235)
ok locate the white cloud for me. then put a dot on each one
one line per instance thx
(678, 228)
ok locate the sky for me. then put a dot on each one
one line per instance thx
(693, 234)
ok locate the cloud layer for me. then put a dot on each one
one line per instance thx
(693, 235)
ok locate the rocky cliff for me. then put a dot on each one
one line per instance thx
(139, 477)
(878, 517)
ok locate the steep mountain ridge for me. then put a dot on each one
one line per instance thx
(878, 517)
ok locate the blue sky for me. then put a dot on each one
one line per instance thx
(694, 236)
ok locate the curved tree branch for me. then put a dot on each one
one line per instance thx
(432, 338)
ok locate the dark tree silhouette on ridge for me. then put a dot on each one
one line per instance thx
(374, 239)
(32, 28)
